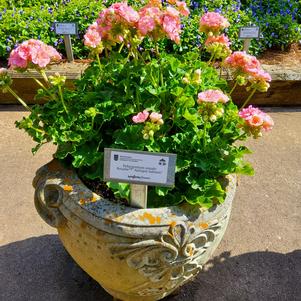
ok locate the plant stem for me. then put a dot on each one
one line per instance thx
(121, 47)
(44, 75)
(233, 88)
(98, 61)
(157, 50)
(62, 99)
(248, 99)
(205, 134)
(211, 58)
(19, 99)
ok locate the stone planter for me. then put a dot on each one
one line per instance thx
(135, 254)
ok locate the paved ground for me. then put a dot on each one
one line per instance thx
(259, 258)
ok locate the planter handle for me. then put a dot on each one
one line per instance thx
(47, 198)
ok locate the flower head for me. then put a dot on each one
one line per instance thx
(213, 96)
(140, 117)
(32, 53)
(256, 120)
(248, 69)
(92, 38)
(221, 39)
(213, 22)
(115, 22)
(182, 7)
(156, 118)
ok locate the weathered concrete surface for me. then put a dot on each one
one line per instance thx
(258, 259)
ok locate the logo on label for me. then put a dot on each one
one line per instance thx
(116, 157)
(162, 162)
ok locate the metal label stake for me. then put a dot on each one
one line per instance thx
(138, 195)
(247, 34)
(68, 46)
(67, 29)
(139, 169)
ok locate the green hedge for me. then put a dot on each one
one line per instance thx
(24, 19)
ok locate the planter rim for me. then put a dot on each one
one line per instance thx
(64, 193)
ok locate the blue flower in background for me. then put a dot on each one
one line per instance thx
(8, 49)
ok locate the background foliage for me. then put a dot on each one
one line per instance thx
(21, 20)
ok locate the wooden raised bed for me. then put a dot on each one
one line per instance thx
(285, 88)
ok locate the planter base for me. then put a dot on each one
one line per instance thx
(133, 253)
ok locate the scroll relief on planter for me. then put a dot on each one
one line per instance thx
(170, 260)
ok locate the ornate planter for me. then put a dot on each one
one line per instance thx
(135, 254)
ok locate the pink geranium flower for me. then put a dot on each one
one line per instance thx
(115, 21)
(242, 61)
(213, 96)
(213, 22)
(32, 53)
(256, 119)
(156, 118)
(92, 37)
(221, 39)
(182, 7)
(140, 117)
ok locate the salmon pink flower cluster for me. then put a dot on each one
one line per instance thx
(92, 38)
(255, 121)
(32, 53)
(218, 45)
(152, 121)
(140, 117)
(221, 39)
(154, 117)
(156, 22)
(213, 22)
(120, 23)
(115, 22)
(213, 96)
(208, 101)
(247, 69)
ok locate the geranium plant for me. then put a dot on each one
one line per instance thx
(130, 98)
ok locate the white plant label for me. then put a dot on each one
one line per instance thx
(154, 169)
(65, 28)
(252, 32)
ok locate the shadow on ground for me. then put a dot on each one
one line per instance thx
(39, 268)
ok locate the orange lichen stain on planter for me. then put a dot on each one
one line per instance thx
(68, 188)
(93, 199)
(204, 225)
(172, 224)
(82, 202)
(119, 218)
(150, 218)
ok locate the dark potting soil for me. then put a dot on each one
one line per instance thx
(102, 189)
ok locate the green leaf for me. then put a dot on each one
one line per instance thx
(121, 190)
(162, 191)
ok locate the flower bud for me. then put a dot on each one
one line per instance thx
(57, 79)
(145, 136)
(185, 80)
(213, 118)
(219, 112)
(151, 133)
